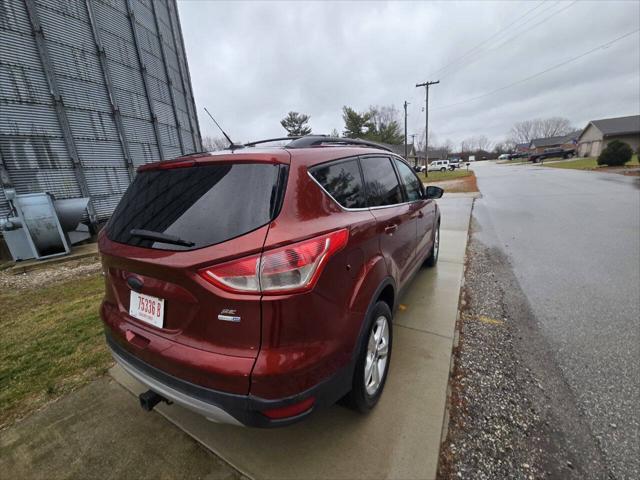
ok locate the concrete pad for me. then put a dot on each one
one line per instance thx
(453, 244)
(428, 305)
(455, 212)
(400, 438)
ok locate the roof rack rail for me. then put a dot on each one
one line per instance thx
(268, 140)
(317, 140)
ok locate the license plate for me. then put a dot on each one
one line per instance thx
(147, 308)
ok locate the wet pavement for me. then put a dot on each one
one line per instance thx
(572, 240)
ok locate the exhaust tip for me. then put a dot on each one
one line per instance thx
(150, 399)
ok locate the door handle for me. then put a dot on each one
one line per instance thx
(420, 214)
(389, 229)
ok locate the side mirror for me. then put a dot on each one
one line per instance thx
(433, 192)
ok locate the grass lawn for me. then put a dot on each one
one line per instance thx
(441, 176)
(51, 343)
(589, 163)
(458, 181)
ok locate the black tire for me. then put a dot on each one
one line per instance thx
(358, 398)
(435, 253)
(443, 169)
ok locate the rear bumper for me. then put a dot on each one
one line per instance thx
(223, 407)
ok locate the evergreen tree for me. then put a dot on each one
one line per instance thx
(296, 124)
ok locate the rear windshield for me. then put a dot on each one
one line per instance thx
(201, 205)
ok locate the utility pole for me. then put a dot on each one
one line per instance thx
(413, 144)
(405, 129)
(426, 86)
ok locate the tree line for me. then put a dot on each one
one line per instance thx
(382, 124)
(377, 123)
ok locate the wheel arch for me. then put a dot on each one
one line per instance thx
(387, 292)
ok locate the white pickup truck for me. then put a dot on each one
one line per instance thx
(440, 166)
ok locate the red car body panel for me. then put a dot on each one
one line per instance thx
(284, 344)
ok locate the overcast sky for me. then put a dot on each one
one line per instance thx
(252, 62)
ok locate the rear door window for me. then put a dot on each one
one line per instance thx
(411, 182)
(201, 205)
(381, 182)
(343, 181)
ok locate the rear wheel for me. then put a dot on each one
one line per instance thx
(372, 365)
(435, 249)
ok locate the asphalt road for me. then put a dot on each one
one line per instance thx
(573, 241)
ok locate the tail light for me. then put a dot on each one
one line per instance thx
(289, 269)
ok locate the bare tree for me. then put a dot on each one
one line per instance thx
(482, 143)
(447, 146)
(384, 115)
(212, 144)
(524, 132)
(553, 127)
(334, 133)
(421, 141)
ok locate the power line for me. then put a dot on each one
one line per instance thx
(604, 45)
(519, 34)
(465, 55)
(533, 26)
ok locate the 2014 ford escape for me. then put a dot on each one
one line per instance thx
(255, 286)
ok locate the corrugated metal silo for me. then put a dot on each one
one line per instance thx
(89, 90)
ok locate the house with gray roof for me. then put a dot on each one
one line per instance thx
(570, 140)
(399, 150)
(598, 133)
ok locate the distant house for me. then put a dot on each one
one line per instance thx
(399, 150)
(522, 147)
(539, 145)
(598, 133)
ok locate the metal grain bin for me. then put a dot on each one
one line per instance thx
(89, 90)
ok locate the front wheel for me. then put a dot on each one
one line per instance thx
(435, 249)
(443, 169)
(372, 365)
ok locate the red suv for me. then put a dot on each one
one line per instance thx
(254, 286)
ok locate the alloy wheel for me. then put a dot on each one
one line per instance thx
(377, 351)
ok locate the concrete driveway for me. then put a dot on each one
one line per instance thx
(401, 438)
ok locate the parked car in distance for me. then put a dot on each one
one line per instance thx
(552, 153)
(439, 165)
(419, 168)
(518, 155)
(258, 285)
(505, 156)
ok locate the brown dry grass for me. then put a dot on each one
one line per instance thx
(467, 184)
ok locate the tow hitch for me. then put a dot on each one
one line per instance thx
(150, 399)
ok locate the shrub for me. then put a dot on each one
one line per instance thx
(616, 153)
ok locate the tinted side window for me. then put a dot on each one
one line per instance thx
(381, 182)
(411, 182)
(343, 182)
(204, 205)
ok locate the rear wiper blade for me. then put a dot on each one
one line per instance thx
(161, 237)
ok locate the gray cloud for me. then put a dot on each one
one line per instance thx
(252, 62)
